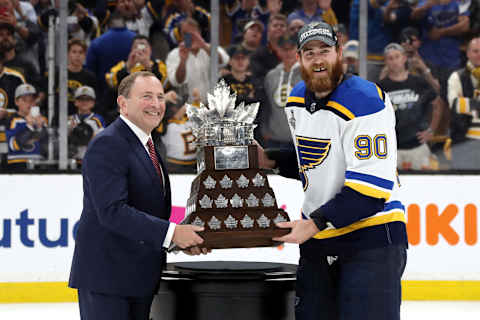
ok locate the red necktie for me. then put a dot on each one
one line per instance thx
(153, 156)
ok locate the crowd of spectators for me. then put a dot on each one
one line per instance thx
(424, 53)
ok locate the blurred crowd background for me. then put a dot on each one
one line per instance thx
(424, 53)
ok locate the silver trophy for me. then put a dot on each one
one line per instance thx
(228, 129)
(230, 197)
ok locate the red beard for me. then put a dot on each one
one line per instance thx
(323, 84)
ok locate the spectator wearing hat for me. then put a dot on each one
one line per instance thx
(435, 76)
(240, 79)
(26, 131)
(84, 124)
(350, 57)
(267, 57)
(242, 12)
(252, 35)
(278, 84)
(412, 97)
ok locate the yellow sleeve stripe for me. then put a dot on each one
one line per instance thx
(462, 106)
(368, 191)
(368, 222)
(162, 69)
(15, 144)
(380, 92)
(99, 124)
(154, 13)
(176, 34)
(111, 77)
(13, 124)
(337, 106)
(296, 99)
(15, 73)
(3, 137)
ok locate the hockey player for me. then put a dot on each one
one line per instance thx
(352, 236)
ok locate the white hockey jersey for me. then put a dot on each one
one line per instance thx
(178, 141)
(348, 141)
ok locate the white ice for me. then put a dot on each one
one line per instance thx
(411, 310)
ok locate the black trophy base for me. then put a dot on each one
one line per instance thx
(219, 290)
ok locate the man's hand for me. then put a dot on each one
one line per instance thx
(185, 236)
(302, 230)
(195, 251)
(417, 63)
(183, 51)
(3, 113)
(425, 136)
(171, 96)
(80, 12)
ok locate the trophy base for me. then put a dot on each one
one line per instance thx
(241, 239)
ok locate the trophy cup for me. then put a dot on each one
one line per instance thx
(230, 196)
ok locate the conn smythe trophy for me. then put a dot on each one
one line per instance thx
(230, 197)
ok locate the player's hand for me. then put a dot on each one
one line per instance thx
(186, 236)
(195, 251)
(302, 230)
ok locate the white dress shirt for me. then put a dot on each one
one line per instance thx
(197, 70)
(143, 137)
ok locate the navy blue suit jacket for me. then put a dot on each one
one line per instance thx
(118, 248)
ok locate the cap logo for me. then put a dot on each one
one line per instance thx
(323, 32)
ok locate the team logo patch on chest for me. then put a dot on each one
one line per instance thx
(311, 152)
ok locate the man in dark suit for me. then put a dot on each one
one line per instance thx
(124, 228)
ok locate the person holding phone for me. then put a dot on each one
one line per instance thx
(139, 59)
(26, 132)
(189, 63)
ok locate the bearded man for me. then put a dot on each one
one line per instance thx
(352, 236)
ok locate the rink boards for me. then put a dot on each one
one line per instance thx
(39, 214)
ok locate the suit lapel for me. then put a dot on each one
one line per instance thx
(139, 150)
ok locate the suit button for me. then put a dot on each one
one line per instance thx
(141, 242)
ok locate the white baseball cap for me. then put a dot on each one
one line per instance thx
(85, 91)
(25, 89)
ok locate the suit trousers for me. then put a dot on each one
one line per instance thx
(99, 306)
(364, 285)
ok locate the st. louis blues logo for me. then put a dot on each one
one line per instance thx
(311, 152)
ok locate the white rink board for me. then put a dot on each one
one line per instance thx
(28, 253)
